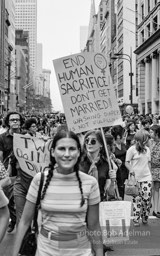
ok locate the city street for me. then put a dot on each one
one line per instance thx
(144, 241)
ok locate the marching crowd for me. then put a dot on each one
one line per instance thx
(82, 173)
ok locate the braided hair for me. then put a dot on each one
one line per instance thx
(60, 135)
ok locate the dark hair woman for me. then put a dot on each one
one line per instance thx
(69, 199)
(94, 161)
(31, 126)
(130, 133)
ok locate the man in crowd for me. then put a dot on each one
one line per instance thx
(14, 122)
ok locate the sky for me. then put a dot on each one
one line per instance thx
(58, 29)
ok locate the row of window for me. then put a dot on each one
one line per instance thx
(146, 32)
(147, 2)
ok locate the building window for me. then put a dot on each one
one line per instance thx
(148, 30)
(148, 6)
(120, 27)
(120, 14)
(142, 36)
(120, 93)
(155, 24)
(142, 11)
(120, 67)
(120, 40)
(119, 3)
(120, 80)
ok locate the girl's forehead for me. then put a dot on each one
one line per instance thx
(66, 140)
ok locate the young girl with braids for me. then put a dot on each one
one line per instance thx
(138, 160)
(69, 199)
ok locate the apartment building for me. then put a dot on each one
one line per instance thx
(148, 55)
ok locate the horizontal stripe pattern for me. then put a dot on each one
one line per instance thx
(61, 211)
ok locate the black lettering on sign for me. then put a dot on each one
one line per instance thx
(90, 107)
(74, 74)
(77, 60)
(19, 152)
(39, 147)
(26, 141)
(32, 167)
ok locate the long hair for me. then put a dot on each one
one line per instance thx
(60, 135)
(98, 135)
(128, 126)
(141, 138)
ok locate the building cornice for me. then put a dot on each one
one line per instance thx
(148, 42)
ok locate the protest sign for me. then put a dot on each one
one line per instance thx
(115, 221)
(88, 99)
(32, 153)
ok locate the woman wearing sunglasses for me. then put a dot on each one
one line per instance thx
(94, 161)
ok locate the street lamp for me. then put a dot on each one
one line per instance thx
(129, 58)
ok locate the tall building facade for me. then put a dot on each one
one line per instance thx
(93, 39)
(23, 87)
(39, 76)
(10, 82)
(46, 84)
(26, 19)
(148, 55)
(113, 31)
(125, 60)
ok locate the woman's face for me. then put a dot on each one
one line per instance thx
(155, 121)
(92, 144)
(33, 128)
(118, 139)
(132, 127)
(66, 154)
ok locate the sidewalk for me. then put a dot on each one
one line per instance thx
(7, 244)
(144, 241)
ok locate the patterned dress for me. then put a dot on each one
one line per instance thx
(155, 162)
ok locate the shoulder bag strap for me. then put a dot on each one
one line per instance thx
(35, 225)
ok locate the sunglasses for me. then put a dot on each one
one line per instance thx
(91, 141)
(14, 120)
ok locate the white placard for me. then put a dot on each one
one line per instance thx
(88, 99)
(32, 153)
(115, 221)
